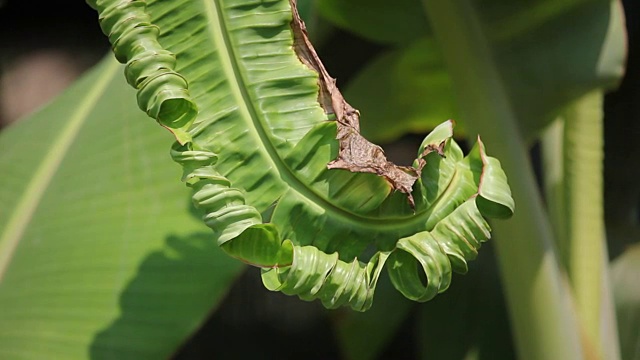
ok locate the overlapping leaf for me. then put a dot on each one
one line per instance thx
(258, 161)
(549, 53)
(404, 90)
(398, 22)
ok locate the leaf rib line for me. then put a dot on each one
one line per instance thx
(46, 170)
(228, 58)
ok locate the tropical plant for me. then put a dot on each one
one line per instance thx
(256, 129)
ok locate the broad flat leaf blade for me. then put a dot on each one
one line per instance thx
(553, 52)
(109, 262)
(400, 21)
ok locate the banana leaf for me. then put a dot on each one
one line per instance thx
(549, 53)
(100, 253)
(395, 23)
(278, 166)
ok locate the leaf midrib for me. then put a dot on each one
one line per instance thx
(45, 171)
(219, 33)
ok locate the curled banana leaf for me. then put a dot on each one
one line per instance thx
(279, 168)
(162, 92)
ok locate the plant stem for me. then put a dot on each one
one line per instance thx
(552, 146)
(584, 251)
(544, 321)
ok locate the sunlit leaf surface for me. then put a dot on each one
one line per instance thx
(101, 254)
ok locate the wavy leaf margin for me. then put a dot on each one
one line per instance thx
(162, 92)
(451, 238)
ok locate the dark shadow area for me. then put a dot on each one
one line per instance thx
(165, 302)
(37, 24)
(622, 148)
(344, 54)
(469, 318)
(44, 46)
(253, 323)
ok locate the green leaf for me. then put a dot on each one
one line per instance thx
(587, 51)
(404, 90)
(150, 68)
(396, 22)
(549, 53)
(513, 68)
(99, 253)
(553, 52)
(258, 163)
